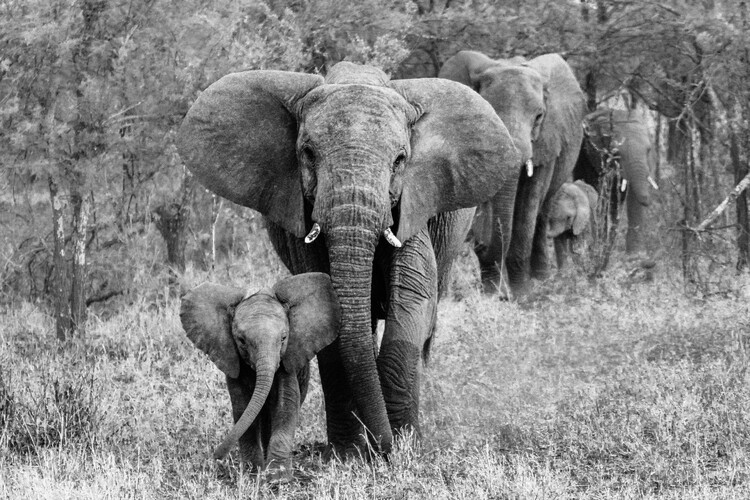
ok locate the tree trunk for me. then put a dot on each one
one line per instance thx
(743, 222)
(78, 286)
(63, 321)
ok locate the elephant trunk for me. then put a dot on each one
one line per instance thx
(265, 371)
(638, 198)
(353, 233)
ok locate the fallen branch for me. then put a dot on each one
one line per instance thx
(103, 297)
(738, 189)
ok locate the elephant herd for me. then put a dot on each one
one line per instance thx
(369, 187)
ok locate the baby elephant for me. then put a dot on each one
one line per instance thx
(263, 343)
(571, 220)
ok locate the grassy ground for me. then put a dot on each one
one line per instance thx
(618, 389)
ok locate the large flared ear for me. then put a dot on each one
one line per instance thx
(466, 67)
(314, 316)
(239, 139)
(564, 109)
(206, 316)
(461, 152)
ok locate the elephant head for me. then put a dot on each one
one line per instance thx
(354, 158)
(531, 97)
(572, 207)
(285, 326)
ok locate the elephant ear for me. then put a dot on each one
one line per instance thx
(465, 67)
(565, 107)
(583, 209)
(461, 152)
(314, 315)
(239, 139)
(206, 316)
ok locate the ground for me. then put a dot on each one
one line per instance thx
(617, 388)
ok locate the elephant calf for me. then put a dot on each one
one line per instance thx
(571, 219)
(263, 343)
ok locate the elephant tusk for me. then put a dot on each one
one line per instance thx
(624, 185)
(653, 183)
(391, 238)
(314, 232)
(529, 167)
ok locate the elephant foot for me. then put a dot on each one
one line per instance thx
(346, 452)
(279, 472)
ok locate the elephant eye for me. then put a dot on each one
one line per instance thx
(399, 161)
(307, 156)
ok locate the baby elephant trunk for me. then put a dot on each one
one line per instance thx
(263, 381)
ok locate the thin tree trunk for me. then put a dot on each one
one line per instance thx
(63, 322)
(743, 221)
(78, 286)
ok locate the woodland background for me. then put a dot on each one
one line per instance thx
(632, 384)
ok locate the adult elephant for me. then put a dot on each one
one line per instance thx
(609, 129)
(385, 172)
(543, 106)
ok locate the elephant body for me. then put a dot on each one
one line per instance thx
(571, 219)
(371, 181)
(608, 129)
(263, 343)
(543, 106)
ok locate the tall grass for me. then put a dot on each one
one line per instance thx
(619, 388)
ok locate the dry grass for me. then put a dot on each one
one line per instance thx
(617, 389)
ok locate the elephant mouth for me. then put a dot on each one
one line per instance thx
(388, 234)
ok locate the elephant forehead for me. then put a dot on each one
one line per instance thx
(352, 110)
(261, 308)
(514, 87)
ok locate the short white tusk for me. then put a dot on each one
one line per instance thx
(653, 183)
(624, 185)
(314, 232)
(391, 238)
(529, 167)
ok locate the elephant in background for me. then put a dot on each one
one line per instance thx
(543, 106)
(571, 219)
(371, 181)
(608, 129)
(263, 343)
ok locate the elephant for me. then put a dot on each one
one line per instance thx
(571, 219)
(608, 129)
(543, 106)
(262, 342)
(371, 181)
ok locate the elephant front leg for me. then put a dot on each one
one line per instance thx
(540, 261)
(491, 256)
(410, 321)
(561, 250)
(530, 194)
(240, 392)
(284, 421)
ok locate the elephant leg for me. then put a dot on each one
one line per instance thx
(491, 257)
(240, 391)
(539, 249)
(284, 418)
(561, 250)
(409, 324)
(343, 428)
(530, 194)
(447, 233)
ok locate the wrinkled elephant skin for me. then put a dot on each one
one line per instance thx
(542, 104)
(263, 343)
(348, 160)
(626, 131)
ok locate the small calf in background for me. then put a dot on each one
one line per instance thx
(571, 220)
